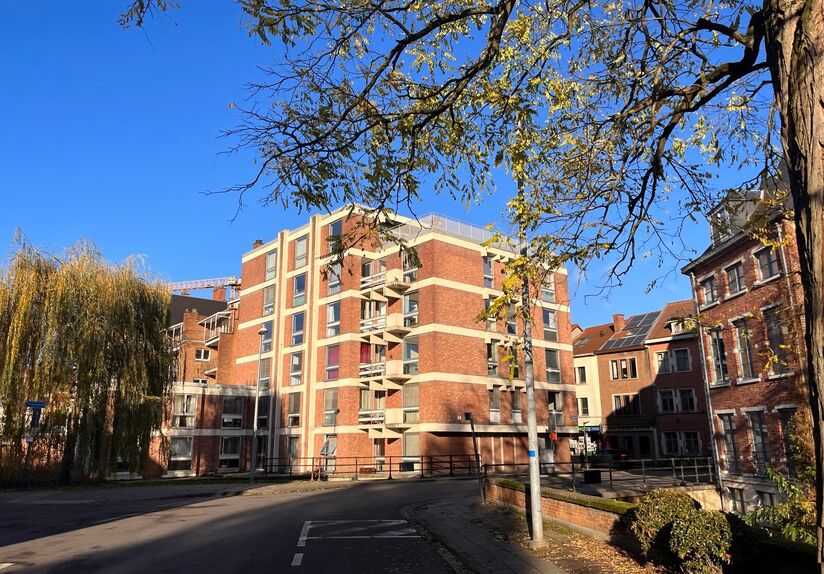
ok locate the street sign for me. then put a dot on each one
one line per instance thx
(36, 404)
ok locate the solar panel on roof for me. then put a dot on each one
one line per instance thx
(635, 331)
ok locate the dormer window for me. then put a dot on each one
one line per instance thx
(720, 225)
(676, 327)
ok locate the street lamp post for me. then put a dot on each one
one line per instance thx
(253, 466)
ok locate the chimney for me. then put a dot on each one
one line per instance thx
(218, 293)
(257, 243)
(618, 321)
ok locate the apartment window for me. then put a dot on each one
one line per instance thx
(263, 412)
(627, 405)
(682, 360)
(293, 419)
(203, 354)
(687, 400)
(583, 406)
(229, 453)
(271, 265)
(292, 446)
(373, 315)
(332, 362)
(297, 328)
(758, 434)
(266, 337)
(730, 446)
(410, 310)
(333, 319)
(300, 252)
(264, 370)
(232, 413)
(489, 278)
(692, 443)
(671, 443)
(333, 278)
(411, 403)
(719, 356)
(776, 336)
(410, 356)
(767, 263)
(199, 381)
(548, 290)
(411, 445)
(786, 417)
(491, 359)
(708, 291)
(553, 367)
(491, 321)
(667, 401)
(742, 340)
(555, 406)
(550, 318)
(737, 499)
(516, 407)
(515, 365)
(372, 400)
(735, 278)
(180, 453)
(410, 268)
(662, 360)
(372, 272)
(183, 411)
(296, 369)
(335, 239)
(623, 368)
(511, 321)
(495, 405)
(269, 300)
(581, 373)
(330, 407)
(299, 290)
(765, 498)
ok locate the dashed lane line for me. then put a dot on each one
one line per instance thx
(297, 559)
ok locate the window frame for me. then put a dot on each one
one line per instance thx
(269, 300)
(298, 290)
(295, 368)
(333, 325)
(270, 265)
(203, 355)
(236, 418)
(741, 287)
(301, 252)
(553, 371)
(297, 335)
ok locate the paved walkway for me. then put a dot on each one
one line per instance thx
(454, 524)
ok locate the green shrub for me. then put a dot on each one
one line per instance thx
(701, 540)
(655, 514)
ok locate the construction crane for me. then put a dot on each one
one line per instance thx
(185, 286)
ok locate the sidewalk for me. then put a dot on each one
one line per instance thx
(454, 523)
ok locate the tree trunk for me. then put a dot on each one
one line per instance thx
(795, 47)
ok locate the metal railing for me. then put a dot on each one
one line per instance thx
(387, 467)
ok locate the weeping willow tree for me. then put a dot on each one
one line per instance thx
(87, 338)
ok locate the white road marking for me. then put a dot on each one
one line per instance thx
(297, 559)
(376, 536)
(4, 565)
(304, 533)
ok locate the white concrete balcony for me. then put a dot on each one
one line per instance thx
(368, 370)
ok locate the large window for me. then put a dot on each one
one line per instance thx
(548, 289)
(293, 419)
(297, 328)
(264, 403)
(271, 265)
(583, 407)
(746, 370)
(330, 407)
(627, 405)
(758, 433)
(553, 366)
(491, 359)
(410, 267)
(550, 318)
(411, 402)
(300, 251)
(292, 443)
(299, 293)
(683, 363)
(229, 453)
(692, 443)
(495, 405)
(264, 371)
(708, 291)
(269, 300)
(735, 278)
(730, 446)
(332, 362)
(768, 266)
(719, 356)
(335, 238)
(296, 368)
(489, 278)
(183, 415)
(581, 373)
(266, 337)
(411, 445)
(410, 309)
(516, 407)
(686, 399)
(776, 336)
(662, 361)
(333, 278)
(333, 319)
(671, 444)
(737, 499)
(232, 413)
(666, 400)
(410, 356)
(180, 453)
(623, 368)
(203, 354)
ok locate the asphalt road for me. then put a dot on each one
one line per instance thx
(356, 530)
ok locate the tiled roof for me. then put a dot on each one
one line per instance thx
(591, 339)
(671, 310)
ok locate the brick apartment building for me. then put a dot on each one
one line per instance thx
(374, 357)
(750, 306)
(648, 378)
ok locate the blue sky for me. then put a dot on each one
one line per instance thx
(114, 135)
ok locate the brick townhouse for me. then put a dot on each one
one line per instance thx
(750, 306)
(378, 357)
(206, 428)
(646, 374)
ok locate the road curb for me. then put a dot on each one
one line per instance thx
(451, 558)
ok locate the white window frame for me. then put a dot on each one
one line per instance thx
(301, 251)
(673, 397)
(553, 372)
(203, 354)
(742, 287)
(330, 368)
(298, 296)
(705, 302)
(187, 413)
(777, 259)
(295, 369)
(271, 265)
(297, 336)
(180, 458)
(662, 359)
(578, 370)
(235, 418)
(269, 301)
(333, 325)
(550, 321)
(681, 407)
(229, 456)
(293, 418)
(674, 360)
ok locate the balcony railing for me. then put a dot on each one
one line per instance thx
(372, 369)
(371, 417)
(373, 323)
(374, 280)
